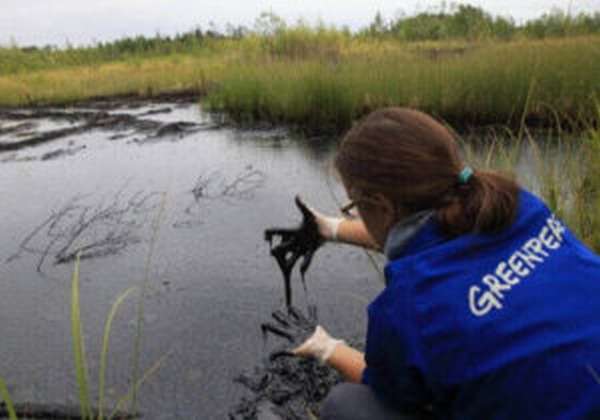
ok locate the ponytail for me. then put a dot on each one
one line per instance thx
(487, 203)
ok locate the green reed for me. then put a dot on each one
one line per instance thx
(564, 170)
(473, 85)
(5, 395)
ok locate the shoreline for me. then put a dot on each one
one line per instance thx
(319, 84)
(189, 96)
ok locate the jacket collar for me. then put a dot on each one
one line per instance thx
(403, 232)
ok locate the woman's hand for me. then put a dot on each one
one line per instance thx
(328, 226)
(350, 363)
(319, 345)
(340, 229)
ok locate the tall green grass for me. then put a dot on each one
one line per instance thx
(562, 169)
(88, 412)
(477, 85)
(442, 23)
(140, 307)
(80, 359)
(20, 60)
(321, 77)
(143, 78)
(79, 347)
(79, 353)
(5, 395)
(588, 191)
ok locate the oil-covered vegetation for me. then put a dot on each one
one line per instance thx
(459, 63)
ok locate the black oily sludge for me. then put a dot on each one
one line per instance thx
(295, 243)
(285, 386)
(86, 121)
(56, 412)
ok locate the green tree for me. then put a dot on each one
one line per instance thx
(269, 24)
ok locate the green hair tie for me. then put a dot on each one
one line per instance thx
(465, 175)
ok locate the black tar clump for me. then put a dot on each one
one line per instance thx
(293, 244)
(288, 386)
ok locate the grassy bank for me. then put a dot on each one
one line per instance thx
(465, 84)
(321, 80)
(141, 77)
(458, 63)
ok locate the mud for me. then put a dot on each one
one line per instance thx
(26, 411)
(285, 386)
(24, 128)
(18, 128)
(176, 129)
(58, 153)
(41, 138)
(293, 244)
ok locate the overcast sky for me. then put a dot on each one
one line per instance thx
(43, 22)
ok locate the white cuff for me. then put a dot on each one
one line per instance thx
(329, 350)
(333, 223)
(322, 345)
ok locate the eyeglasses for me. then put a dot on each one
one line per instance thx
(348, 207)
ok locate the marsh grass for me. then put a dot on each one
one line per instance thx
(320, 78)
(79, 347)
(542, 81)
(80, 359)
(143, 78)
(140, 306)
(5, 395)
(562, 169)
(105, 345)
(587, 203)
(21, 60)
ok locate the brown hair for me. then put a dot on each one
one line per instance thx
(414, 161)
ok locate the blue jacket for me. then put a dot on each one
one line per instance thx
(503, 326)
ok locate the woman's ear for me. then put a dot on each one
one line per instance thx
(388, 212)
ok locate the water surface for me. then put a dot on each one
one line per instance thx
(211, 280)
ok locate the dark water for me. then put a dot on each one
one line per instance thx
(211, 280)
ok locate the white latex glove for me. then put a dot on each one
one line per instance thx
(319, 345)
(328, 225)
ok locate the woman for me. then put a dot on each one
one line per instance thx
(491, 308)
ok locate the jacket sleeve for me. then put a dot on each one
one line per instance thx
(394, 368)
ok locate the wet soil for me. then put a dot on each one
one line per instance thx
(285, 385)
(25, 411)
(84, 121)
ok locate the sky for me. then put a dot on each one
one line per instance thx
(78, 22)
